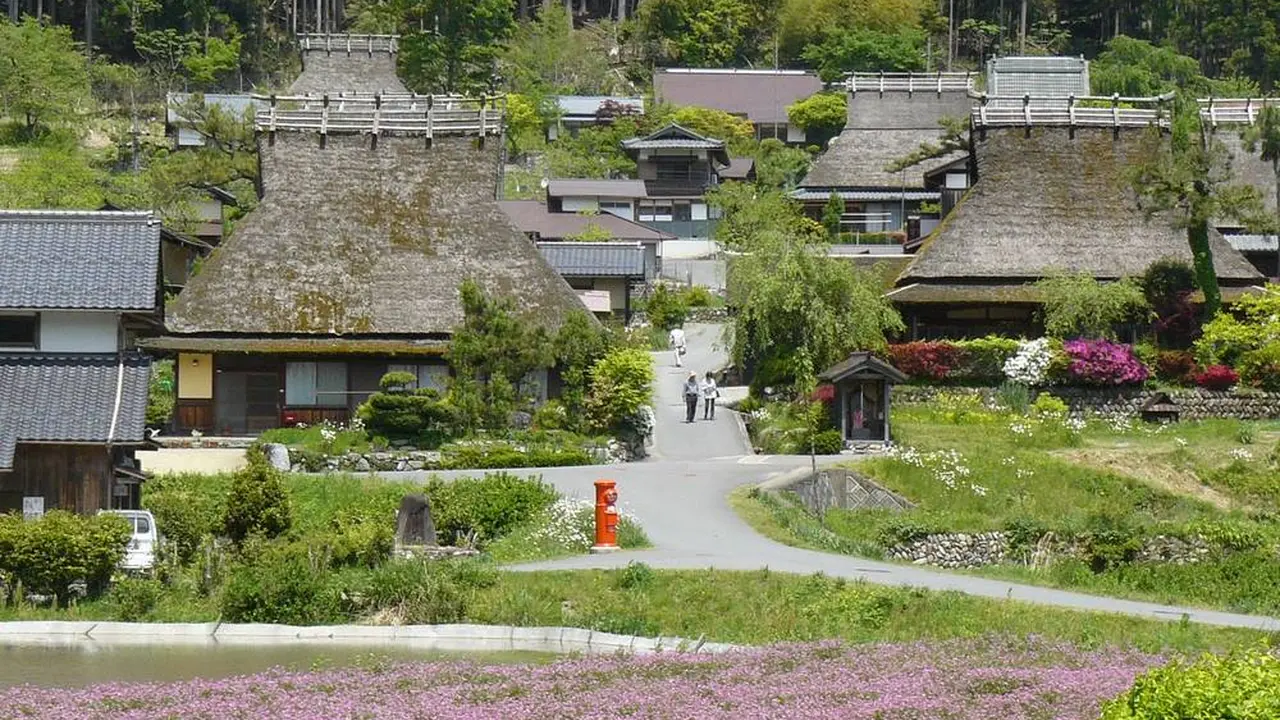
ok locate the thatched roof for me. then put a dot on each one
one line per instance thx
(1055, 199)
(1248, 168)
(361, 238)
(345, 63)
(881, 129)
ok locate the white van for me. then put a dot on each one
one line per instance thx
(141, 553)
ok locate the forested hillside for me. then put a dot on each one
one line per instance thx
(83, 84)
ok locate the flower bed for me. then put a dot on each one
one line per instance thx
(969, 680)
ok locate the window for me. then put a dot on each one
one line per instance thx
(673, 170)
(315, 384)
(142, 526)
(681, 212)
(435, 377)
(655, 212)
(621, 209)
(19, 332)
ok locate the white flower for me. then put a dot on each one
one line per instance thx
(1075, 424)
(1030, 364)
(1021, 428)
(1011, 460)
(978, 490)
(1023, 473)
(1182, 442)
(1241, 454)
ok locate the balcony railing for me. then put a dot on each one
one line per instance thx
(683, 229)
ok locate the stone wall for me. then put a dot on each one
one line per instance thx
(971, 550)
(1194, 403)
(838, 488)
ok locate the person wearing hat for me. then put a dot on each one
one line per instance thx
(692, 391)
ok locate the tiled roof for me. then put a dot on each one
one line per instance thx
(60, 259)
(1254, 243)
(813, 194)
(532, 216)
(71, 398)
(739, 168)
(761, 95)
(595, 188)
(581, 259)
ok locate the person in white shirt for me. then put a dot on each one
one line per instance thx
(709, 394)
(678, 344)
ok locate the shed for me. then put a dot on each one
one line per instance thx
(1160, 408)
(862, 389)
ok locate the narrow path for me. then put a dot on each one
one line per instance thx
(680, 498)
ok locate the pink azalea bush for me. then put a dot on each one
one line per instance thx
(993, 679)
(1102, 362)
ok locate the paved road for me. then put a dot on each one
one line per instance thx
(679, 496)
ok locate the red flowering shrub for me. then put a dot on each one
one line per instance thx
(1102, 362)
(925, 360)
(1175, 366)
(1217, 377)
(825, 392)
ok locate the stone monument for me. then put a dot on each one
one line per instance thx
(414, 526)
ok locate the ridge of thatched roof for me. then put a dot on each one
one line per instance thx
(358, 236)
(343, 62)
(1056, 199)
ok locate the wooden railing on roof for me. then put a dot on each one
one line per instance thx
(1234, 111)
(1113, 111)
(425, 115)
(344, 42)
(908, 82)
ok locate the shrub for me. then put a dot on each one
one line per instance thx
(1217, 377)
(49, 554)
(281, 585)
(666, 309)
(1102, 362)
(982, 359)
(1244, 685)
(925, 360)
(1255, 324)
(824, 442)
(551, 415)
(1031, 364)
(1015, 396)
(1049, 406)
(636, 575)
(133, 599)
(419, 592)
(257, 502)
(184, 515)
(1175, 366)
(489, 506)
(621, 383)
(1261, 368)
(1080, 306)
(420, 416)
(160, 394)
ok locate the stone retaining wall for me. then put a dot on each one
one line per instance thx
(971, 550)
(838, 488)
(1193, 403)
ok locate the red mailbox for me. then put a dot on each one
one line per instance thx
(606, 517)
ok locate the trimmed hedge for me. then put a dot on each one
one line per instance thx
(50, 554)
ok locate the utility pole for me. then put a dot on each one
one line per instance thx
(951, 34)
(1022, 30)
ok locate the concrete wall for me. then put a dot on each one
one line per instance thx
(841, 488)
(579, 204)
(79, 332)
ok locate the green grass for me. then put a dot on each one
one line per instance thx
(973, 470)
(311, 439)
(759, 607)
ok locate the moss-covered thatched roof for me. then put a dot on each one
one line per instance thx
(361, 238)
(1051, 199)
(347, 63)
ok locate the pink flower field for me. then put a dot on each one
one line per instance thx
(971, 680)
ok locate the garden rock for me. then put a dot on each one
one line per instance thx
(277, 456)
(361, 464)
(414, 525)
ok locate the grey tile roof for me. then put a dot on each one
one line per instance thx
(71, 398)
(1254, 243)
(595, 188)
(586, 106)
(761, 95)
(73, 259)
(1039, 77)
(532, 216)
(577, 259)
(814, 194)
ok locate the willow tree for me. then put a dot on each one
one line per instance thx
(1186, 175)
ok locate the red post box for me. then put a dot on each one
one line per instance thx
(606, 517)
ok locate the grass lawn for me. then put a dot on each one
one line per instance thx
(970, 469)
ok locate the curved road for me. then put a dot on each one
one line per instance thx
(679, 496)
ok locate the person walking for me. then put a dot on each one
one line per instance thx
(691, 394)
(709, 394)
(677, 340)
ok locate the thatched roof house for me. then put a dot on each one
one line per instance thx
(371, 219)
(889, 118)
(348, 63)
(1228, 119)
(1047, 198)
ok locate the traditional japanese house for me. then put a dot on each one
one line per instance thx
(890, 116)
(759, 95)
(1052, 195)
(1227, 119)
(677, 167)
(76, 289)
(373, 214)
(542, 224)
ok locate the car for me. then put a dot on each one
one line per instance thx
(141, 553)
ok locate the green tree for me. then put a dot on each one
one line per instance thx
(780, 166)
(166, 52)
(1078, 306)
(802, 23)
(866, 50)
(44, 79)
(547, 55)
(579, 344)
(453, 45)
(821, 116)
(736, 132)
(833, 214)
(57, 177)
(747, 212)
(1188, 177)
(493, 352)
(704, 33)
(1137, 68)
(214, 61)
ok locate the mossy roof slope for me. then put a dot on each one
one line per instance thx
(1045, 201)
(357, 239)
